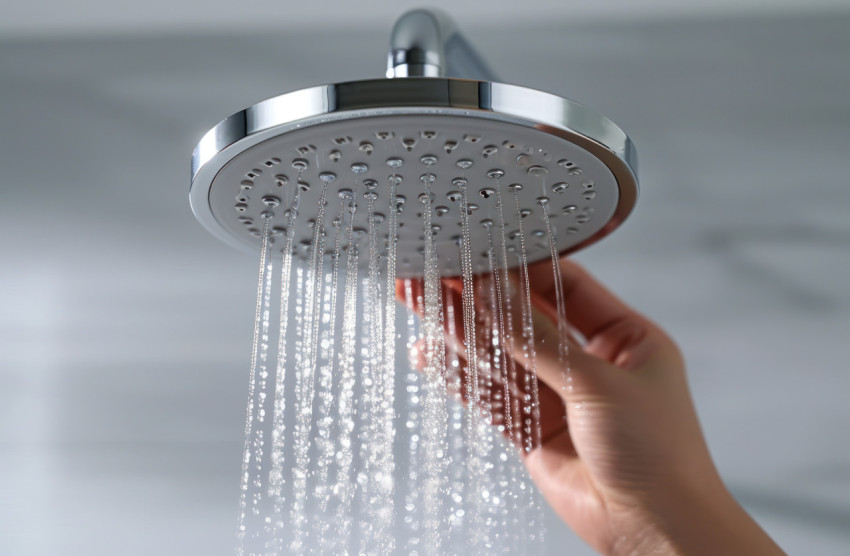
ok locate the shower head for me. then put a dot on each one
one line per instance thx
(531, 163)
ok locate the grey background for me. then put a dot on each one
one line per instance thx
(125, 328)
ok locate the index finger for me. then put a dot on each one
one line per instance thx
(591, 308)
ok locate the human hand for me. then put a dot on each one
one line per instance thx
(628, 470)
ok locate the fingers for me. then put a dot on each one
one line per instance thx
(614, 331)
(591, 308)
(552, 410)
(587, 371)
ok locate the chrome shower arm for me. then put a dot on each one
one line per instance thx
(427, 43)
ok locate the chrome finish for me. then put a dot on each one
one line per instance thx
(428, 131)
(542, 125)
(427, 43)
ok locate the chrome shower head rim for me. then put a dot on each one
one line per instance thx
(534, 110)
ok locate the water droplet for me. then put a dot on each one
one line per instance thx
(543, 201)
(266, 214)
(300, 164)
(359, 168)
(304, 185)
(428, 177)
(464, 164)
(471, 207)
(424, 198)
(370, 184)
(525, 212)
(569, 208)
(345, 193)
(495, 173)
(378, 217)
(489, 150)
(428, 160)
(396, 179)
(400, 199)
(327, 177)
(459, 182)
(515, 187)
(449, 146)
(335, 156)
(271, 201)
(395, 163)
(487, 223)
(487, 192)
(537, 171)
(538, 233)
(453, 196)
(366, 147)
(436, 228)
(441, 210)
(560, 187)
(370, 195)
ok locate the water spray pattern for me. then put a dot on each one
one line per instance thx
(397, 412)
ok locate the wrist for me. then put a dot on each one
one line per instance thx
(705, 520)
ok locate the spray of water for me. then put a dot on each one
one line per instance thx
(353, 448)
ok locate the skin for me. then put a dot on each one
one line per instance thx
(628, 469)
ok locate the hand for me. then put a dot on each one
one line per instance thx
(628, 470)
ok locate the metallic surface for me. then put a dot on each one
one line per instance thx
(534, 120)
(427, 43)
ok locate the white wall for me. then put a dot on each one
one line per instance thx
(107, 17)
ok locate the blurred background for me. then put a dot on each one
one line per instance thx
(125, 328)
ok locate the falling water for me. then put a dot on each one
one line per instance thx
(471, 431)
(560, 306)
(305, 380)
(327, 391)
(345, 415)
(276, 474)
(251, 496)
(434, 414)
(394, 429)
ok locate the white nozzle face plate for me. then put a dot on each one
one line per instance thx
(471, 158)
(364, 154)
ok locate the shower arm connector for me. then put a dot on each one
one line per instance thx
(427, 43)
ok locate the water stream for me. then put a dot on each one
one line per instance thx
(392, 415)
